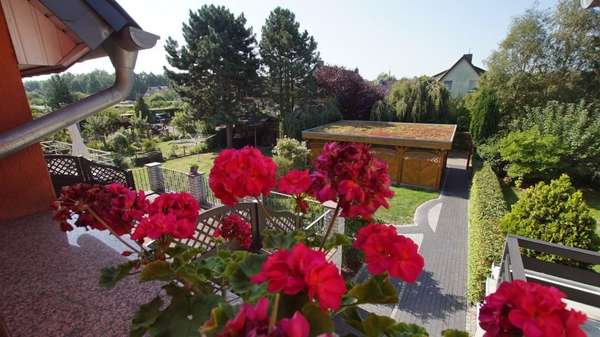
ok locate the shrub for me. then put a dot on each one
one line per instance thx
(531, 155)
(382, 111)
(489, 151)
(484, 111)
(148, 145)
(420, 99)
(148, 157)
(290, 153)
(553, 212)
(486, 208)
(578, 128)
(309, 115)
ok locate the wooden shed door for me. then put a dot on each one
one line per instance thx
(420, 169)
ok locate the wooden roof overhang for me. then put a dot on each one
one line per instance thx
(415, 135)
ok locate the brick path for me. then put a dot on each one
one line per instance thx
(437, 300)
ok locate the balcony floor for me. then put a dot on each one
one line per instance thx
(49, 281)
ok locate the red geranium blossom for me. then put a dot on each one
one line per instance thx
(387, 251)
(173, 214)
(117, 205)
(249, 321)
(302, 268)
(241, 173)
(253, 321)
(531, 310)
(349, 174)
(233, 227)
(297, 183)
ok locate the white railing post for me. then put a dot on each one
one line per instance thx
(155, 177)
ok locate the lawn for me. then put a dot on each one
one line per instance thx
(403, 204)
(203, 160)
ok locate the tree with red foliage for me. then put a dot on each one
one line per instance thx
(354, 95)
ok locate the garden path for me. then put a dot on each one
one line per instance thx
(437, 300)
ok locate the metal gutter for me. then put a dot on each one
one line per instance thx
(122, 49)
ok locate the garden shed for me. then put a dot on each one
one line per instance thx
(415, 152)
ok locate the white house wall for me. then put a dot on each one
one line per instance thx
(461, 75)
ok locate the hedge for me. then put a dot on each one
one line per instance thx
(486, 208)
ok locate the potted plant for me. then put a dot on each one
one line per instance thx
(194, 169)
(285, 285)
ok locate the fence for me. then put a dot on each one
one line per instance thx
(284, 202)
(579, 284)
(175, 181)
(141, 179)
(58, 147)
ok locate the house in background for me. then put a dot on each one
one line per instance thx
(462, 77)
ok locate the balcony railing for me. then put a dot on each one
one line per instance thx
(58, 147)
(581, 285)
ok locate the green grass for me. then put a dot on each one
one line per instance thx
(403, 204)
(203, 160)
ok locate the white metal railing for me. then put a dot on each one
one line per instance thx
(58, 147)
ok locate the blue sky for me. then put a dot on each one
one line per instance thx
(404, 37)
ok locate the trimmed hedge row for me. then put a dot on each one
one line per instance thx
(486, 208)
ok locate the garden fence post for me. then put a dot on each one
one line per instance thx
(155, 176)
(195, 186)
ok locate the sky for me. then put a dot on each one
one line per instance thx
(405, 37)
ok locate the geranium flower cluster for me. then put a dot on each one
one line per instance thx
(387, 251)
(303, 269)
(234, 227)
(296, 183)
(349, 174)
(529, 309)
(116, 205)
(241, 173)
(172, 214)
(253, 320)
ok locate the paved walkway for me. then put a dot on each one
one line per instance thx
(437, 300)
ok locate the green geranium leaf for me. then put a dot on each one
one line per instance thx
(184, 316)
(406, 330)
(145, 317)
(240, 282)
(278, 240)
(219, 316)
(109, 276)
(376, 290)
(375, 325)
(454, 333)
(157, 271)
(338, 239)
(320, 321)
(353, 319)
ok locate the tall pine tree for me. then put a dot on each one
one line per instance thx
(58, 92)
(290, 57)
(216, 68)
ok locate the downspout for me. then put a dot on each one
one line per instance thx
(122, 48)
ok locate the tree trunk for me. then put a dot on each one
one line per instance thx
(229, 134)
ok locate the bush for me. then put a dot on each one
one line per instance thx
(290, 153)
(309, 115)
(420, 99)
(553, 212)
(578, 128)
(148, 145)
(484, 111)
(489, 151)
(382, 111)
(531, 155)
(148, 157)
(486, 208)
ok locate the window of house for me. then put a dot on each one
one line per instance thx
(472, 85)
(448, 84)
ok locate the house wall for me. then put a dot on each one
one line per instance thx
(460, 77)
(25, 185)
